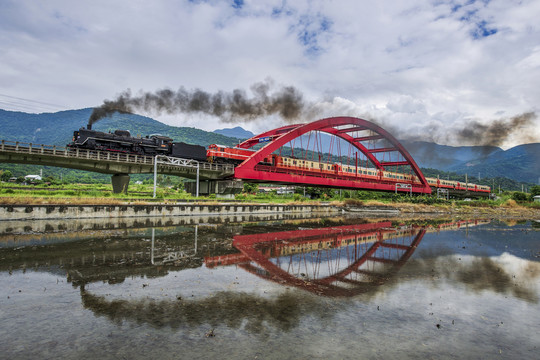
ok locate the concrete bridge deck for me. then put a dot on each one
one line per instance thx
(106, 162)
(120, 165)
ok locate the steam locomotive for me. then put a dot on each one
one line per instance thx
(122, 141)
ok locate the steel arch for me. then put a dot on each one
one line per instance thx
(281, 136)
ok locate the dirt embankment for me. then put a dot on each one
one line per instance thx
(509, 210)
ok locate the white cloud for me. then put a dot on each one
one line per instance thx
(408, 64)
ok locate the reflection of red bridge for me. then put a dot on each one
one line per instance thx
(336, 261)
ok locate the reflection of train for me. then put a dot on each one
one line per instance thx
(122, 141)
(274, 245)
(286, 164)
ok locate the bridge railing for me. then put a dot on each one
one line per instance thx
(30, 148)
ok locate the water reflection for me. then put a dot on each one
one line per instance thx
(284, 280)
(235, 310)
(338, 261)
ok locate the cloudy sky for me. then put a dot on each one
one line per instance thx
(423, 69)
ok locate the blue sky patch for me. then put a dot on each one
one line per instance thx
(482, 30)
(237, 4)
(310, 29)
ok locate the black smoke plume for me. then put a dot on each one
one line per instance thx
(495, 133)
(233, 106)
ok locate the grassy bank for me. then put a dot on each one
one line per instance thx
(101, 194)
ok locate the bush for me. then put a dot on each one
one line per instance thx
(519, 196)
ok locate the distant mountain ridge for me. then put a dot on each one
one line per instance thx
(444, 157)
(520, 163)
(236, 132)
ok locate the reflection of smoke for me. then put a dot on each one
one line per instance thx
(234, 310)
(481, 274)
(229, 107)
(495, 133)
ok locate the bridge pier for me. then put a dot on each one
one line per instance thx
(120, 183)
(222, 188)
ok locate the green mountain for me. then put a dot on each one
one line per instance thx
(520, 163)
(444, 157)
(57, 128)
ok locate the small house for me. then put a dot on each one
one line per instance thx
(32, 178)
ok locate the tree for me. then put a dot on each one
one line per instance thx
(5, 175)
(251, 188)
(535, 190)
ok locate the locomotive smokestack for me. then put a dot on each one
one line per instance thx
(286, 101)
(89, 126)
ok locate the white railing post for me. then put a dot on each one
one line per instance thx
(155, 175)
(197, 194)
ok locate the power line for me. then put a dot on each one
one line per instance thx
(14, 106)
(19, 103)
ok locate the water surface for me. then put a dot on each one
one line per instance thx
(338, 288)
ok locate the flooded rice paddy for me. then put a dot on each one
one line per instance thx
(270, 288)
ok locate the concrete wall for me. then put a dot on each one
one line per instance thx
(37, 212)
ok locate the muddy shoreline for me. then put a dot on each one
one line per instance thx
(30, 212)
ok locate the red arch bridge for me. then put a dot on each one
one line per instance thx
(339, 152)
